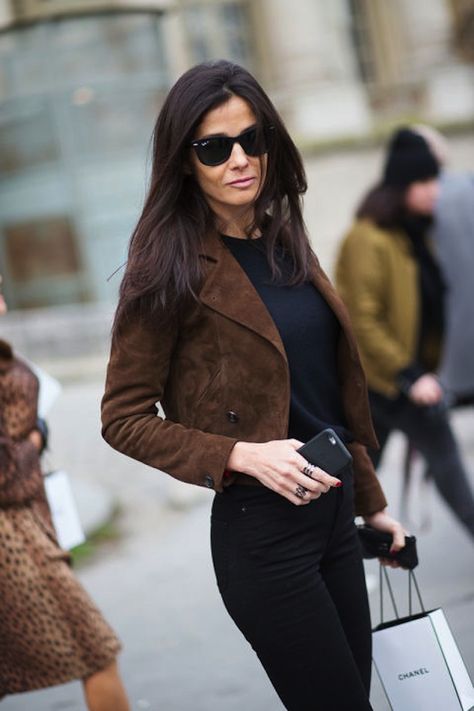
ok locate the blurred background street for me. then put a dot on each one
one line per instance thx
(80, 85)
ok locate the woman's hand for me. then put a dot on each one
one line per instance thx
(36, 438)
(278, 466)
(426, 390)
(383, 522)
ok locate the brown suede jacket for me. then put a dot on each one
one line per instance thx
(220, 373)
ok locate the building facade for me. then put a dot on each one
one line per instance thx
(81, 82)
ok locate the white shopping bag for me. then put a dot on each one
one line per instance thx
(63, 510)
(420, 666)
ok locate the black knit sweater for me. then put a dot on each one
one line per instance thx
(309, 332)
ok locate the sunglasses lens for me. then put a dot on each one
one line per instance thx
(250, 143)
(214, 150)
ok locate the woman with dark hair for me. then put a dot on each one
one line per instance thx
(50, 630)
(394, 290)
(227, 320)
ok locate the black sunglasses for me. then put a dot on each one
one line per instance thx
(217, 149)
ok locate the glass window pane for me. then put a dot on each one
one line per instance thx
(24, 61)
(27, 137)
(79, 97)
(237, 30)
(219, 31)
(42, 248)
(98, 48)
(113, 122)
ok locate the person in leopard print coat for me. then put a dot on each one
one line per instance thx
(50, 630)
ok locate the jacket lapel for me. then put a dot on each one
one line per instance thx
(328, 292)
(228, 291)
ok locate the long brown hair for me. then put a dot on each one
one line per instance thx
(163, 266)
(384, 205)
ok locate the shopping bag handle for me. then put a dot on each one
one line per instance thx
(411, 579)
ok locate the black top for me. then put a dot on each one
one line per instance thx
(309, 331)
(432, 291)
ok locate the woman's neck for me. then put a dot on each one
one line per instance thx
(237, 225)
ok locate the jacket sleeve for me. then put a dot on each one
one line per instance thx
(20, 475)
(361, 281)
(368, 494)
(20, 472)
(137, 375)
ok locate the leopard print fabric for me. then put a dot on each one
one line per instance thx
(20, 473)
(50, 630)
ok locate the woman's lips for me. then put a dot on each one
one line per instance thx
(242, 182)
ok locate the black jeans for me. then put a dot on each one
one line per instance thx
(429, 430)
(292, 579)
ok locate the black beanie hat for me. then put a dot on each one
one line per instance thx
(409, 160)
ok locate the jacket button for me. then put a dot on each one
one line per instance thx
(209, 481)
(232, 416)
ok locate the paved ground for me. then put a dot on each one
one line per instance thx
(156, 583)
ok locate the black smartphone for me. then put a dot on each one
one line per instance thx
(327, 451)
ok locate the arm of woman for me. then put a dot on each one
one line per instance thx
(370, 502)
(279, 466)
(137, 375)
(381, 521)
(20, 475)
(20, 472)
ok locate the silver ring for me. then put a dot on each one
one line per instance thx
(309, 470)
(300, 491)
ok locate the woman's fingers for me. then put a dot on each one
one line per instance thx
(300, 495)
(383, 522)
(389, 563)
(279, 466)
(295, 486)
(398, 539)
(306, 488)
(317, 474)
(311, 470)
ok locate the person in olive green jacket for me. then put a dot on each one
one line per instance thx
(394, 290)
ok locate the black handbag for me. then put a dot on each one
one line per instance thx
(376, 544)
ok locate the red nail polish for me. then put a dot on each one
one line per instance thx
(338, 484)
